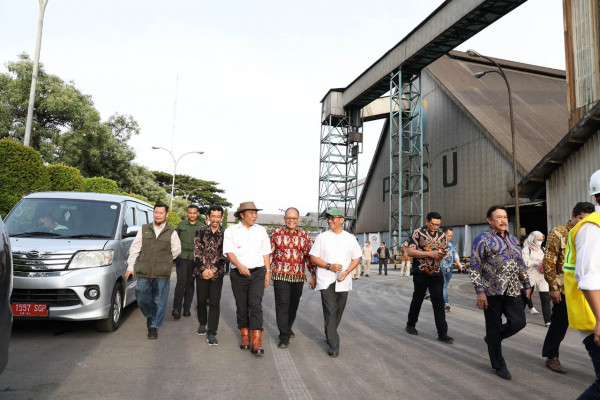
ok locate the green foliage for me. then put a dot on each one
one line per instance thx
(100, 185)
(180, 208)
(136, 196)
(21, 172)
(202, 193)
(64, 178)
(173, 219)
(141, 181)
(225, 215)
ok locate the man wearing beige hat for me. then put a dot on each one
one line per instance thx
(247, 246)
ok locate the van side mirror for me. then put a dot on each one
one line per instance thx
(131, 231)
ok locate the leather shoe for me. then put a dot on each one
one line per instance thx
(411, 330)
(153, 333)
(282, 345)
(334, 351)
(176, 314)
(187, 314)
(503, 373)
(446, 339)
(555, 366)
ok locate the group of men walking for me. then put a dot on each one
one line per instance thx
(202, 251)
(571, 267)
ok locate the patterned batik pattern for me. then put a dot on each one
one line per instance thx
(290, 254)
(424, 240)
(554, 256)
(208, 251)
(497, 266)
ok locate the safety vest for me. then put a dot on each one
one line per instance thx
(580, 314)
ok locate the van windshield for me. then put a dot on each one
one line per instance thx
(63, 218)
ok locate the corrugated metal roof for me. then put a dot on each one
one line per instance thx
(539, 103)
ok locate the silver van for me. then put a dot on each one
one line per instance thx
(70, 254)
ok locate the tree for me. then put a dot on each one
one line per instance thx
(141, 181)
(58, 107)
(197, 191)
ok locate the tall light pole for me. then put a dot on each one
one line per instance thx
(36, 63)
(175, 162)
(500, 72)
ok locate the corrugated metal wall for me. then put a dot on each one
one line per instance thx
(569, 184)
(582, 48)
(462, 192)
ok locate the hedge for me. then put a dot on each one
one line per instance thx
(100, 185)
(22, 171)
(64, 178)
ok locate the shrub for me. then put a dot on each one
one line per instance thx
(64, 178)
(21, 172)
(100, 185)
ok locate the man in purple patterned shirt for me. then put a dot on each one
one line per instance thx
(498, 271)
(209, 262)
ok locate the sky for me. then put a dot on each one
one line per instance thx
(242, 81)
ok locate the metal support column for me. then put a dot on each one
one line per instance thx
(406, 157)
(338, 168)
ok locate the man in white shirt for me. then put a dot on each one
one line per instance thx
(151, 254)
(247, 246)
(336, 253)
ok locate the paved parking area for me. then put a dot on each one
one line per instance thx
(378, 360)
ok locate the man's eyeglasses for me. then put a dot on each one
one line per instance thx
(291, 219)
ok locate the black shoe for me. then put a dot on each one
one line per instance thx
(386, 274)
(153, 333)
(446, 339)
(367, 275)
(212, 340)
(201, 330)
(361, 274)
(411, 330)
(292, 335)
(148, 323)
(176, 314)
(187, 314)
(283, 345)
(503, 373)
(334, 351)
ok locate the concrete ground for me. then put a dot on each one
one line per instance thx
(378, 359)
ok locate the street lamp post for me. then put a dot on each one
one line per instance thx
(34, 73)
(500, 72)
(175, 162)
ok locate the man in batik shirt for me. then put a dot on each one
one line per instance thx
(554, 259)
(289, 247)
(427, 246)
(209, 270)
(497, 272)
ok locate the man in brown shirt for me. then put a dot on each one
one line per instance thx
(554, 259)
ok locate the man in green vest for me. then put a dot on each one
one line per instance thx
(582, 284)
(184, 264)
(151, 256)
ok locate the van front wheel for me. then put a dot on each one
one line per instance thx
(113, 321)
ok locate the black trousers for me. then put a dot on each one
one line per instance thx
(334, 304)
(495, 330)
(184, 288)
(248, 293)
(287, 299)
(559, 323)
(435, 284)
(211, 290)
(382, 262)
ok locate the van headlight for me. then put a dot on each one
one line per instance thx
(91, 259)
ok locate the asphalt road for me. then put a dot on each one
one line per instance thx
(378, 359)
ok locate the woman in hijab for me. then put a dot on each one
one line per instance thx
(533, 255)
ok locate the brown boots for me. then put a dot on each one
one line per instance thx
(257, 343)
(245, 343)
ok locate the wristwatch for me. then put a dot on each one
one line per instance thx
(328, 266)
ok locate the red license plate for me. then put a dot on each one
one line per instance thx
(29, 309)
